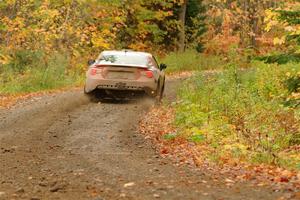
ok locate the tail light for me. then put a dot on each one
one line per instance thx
(93, 71)
(147, 73)
(97, 69)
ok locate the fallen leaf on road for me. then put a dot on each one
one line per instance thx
(227, 180)
(130, 184)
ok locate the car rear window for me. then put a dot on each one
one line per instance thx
(124, 59)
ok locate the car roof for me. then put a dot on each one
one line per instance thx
(127, 52)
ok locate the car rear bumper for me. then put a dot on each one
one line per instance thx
(149, 86)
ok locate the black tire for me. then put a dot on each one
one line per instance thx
(94, 96)
(161, 95)
(90, 96)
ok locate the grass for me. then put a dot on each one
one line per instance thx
(29, 72)
(249, 115)
(191, 61)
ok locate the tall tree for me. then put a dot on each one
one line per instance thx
(192, 15)
(237, 22)
(148, 24)
(195, 25)
(182, 19)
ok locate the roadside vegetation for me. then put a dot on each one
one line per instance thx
(31, 73)
(241, 115)
(250, 111)
(191, 60)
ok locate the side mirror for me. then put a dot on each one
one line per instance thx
(162, 66)
(90, 62)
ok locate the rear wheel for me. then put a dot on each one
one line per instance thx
(95, 95)
(90, 95)
(87, 94)
(160, 94)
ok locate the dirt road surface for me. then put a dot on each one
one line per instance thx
(64, 147)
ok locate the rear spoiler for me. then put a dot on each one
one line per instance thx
(121, 65)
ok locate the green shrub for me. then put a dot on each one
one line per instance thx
(244, 111)
(170, 136)
(24, 59)
(280, 58)
(30, 72)
(191, 61)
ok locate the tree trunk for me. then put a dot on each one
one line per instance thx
(182, 22)
(253, 22)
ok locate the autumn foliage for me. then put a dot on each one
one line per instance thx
(44, 43)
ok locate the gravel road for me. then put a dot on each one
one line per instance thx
(64, 147)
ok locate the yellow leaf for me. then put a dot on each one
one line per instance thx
(279, 41)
